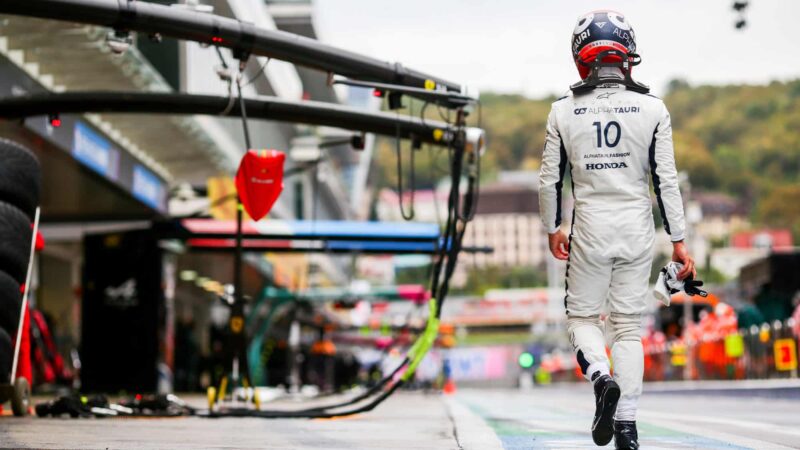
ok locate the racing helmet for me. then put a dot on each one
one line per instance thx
(599, 31)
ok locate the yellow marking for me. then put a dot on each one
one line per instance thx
(223, 386)
(237, 323)
(430, 85)
(438, 134)
(785, 354)
(211, 394)
(112, 240)
(678, 360)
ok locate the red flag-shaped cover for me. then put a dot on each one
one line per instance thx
(259, 181)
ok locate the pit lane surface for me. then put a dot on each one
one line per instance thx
(542, 418)
(560, 417)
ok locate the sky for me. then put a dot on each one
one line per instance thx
(522, 46)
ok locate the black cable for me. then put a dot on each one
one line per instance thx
(480, 157)
(369, 393)
(245, 412)
(448, 255)
(381, 383)
(244, 115)
(412, 178)
(225, 66)
(258, 74)
(422, 113)
(452, 244)
(473, 191)
(221, 58)
(438, 264)
(453, 235)
(470, 206)
(442, 116)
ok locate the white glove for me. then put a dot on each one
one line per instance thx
(668, 284)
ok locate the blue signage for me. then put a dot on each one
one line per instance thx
(148, 188)
(94, 151)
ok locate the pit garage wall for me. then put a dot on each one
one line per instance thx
(126, 338)
(87, 145)
(86, 177)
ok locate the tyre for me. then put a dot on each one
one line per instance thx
(21, 398)
(6, 355)
(10, 303)
(15, 241)
(20, 177)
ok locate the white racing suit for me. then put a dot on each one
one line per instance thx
(612, 139)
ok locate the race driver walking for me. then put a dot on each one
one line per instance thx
(613, 139)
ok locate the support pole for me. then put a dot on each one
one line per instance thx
(243, 38)
(240, 371)
(264, 108)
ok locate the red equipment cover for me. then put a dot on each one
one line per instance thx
(24, 366)
(259, 181)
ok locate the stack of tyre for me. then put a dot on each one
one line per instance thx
(20, 177)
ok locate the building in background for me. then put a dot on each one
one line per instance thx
(507, 220)
(429, 205)
(723, 215)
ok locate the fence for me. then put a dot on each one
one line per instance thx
(757, 352)
(768, 351)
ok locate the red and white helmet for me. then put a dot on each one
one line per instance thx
(599, 31)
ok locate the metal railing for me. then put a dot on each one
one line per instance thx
(768, 351)
(757, 352)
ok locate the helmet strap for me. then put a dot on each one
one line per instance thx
(625, 64)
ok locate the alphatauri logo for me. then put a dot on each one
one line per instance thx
(601, 166)
(123, 296)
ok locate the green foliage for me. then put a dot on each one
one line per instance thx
(659, 261)
(413, 275)
(739, 139)
(711, 276)
(781, 208)
(480, 280)
(749, 133)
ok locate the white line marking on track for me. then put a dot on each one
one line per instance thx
(673, 421)
(762, 426)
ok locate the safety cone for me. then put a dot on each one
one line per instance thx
(449, 386)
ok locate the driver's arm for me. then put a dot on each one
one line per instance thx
(551, 183)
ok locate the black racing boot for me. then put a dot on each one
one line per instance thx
(625, 435)
(606, 394)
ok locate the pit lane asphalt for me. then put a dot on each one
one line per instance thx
(482, 419)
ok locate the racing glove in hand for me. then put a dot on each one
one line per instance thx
(668, 284)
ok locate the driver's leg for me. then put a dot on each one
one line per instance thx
(587, 282)
(627, 300)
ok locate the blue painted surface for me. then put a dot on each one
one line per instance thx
(388, 230)
(148, 188)
(95, 152)
(382, 246)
